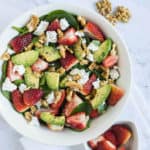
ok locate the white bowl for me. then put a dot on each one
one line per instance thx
(99, 125)
(133, 143)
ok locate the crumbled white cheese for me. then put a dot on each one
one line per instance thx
(94, 45)
(34, 122)
(22, 87)
(41, 28)
(96, 84)
(38, 104)
(8, 86)
(10, 51)
(56, 127)
(20, 69)
(90, 57)
(83, 41)
(114, 74)
(50, 98)
(64, 24)
(51, 37)
(79, 33)
(74, 71)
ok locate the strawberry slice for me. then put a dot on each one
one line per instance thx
(105, 145)
(20, 42)
(115, 95)
(94, 31)
(54, 25)
(11, 74)
(110, 61)
(69, 61)
(39, 65)
(32, 96)
(69, 37)
(109, 135)
(71, 105)
(122, 133)
(17, 100)
(87, 87)
(94, 114)
(78, 121)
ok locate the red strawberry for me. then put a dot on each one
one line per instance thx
(94, 113)
(69, 61)
(115, 95)
(58, 102)
(78, 121)
(93, 143)
(110, 61)
(122, 133)
(20, 42)
(87, 87)
(40, 65)
(105, 145)
(11, 74)
(94, 31)
(122, 148)
(32, 96)
(54, 25)
(71, 105)
(17, 100)
(69, 37)
(109, 135)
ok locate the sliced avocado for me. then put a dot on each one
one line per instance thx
(101, 96)
(52, 79)
(25, 58)
(103, 51)
(63, 82)
(49, 53)
(51, 119)
(78, 50)
(30, 79)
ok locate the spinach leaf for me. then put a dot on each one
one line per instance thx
(21, 30)
(102, 108)
(18, 82)
(61, 14)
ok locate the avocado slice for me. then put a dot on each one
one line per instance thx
(51, 119)
(25, 58)
(78, 51)
(52, 79)
(103, 51)
(49, 53)
(30, 79)
(101, 96)
(63, 82)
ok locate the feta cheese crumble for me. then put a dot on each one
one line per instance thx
(64, 24)
(114, 74)
(20, 69)
(90, 57)
(10, 51)
(8, 86)
(83, 41)
(94, 45)
(22, 88)
(38, 104)
(51, 37)
(34, 122)
(50, 98)
(96, 84)
(79, 33)
(41, 28)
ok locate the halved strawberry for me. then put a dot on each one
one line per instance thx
(122, 148)
(110, 61)
(69, 37)
(17, 100)
(109, 135)
(54, 25)
(122, 133)
(105, 145)
(40, 65)
(115, 95)
(94, 114)
(20, 42)
(69, 61)
(87, 87)
(11, 74)
(71, 105)
(78, 121)
(32, 96)
(94, 142)
(58, 102)
(94, 31)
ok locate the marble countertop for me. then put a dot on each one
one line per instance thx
(136, 34)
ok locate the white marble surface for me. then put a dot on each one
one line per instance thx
(136, 33)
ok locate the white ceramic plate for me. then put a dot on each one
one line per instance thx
(99, 125)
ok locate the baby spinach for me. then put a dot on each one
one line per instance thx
(21, 30)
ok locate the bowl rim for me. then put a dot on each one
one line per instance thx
(61, 5)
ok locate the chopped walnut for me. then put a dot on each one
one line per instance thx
(60, 33)
(42, 38)
(28, 116)
(76, 77)
(111, 18)
(74, 85)
(93, 66)
(33, 109)
(81, 20)
(113, 51)
(5, 56)
(61, 70)
(29, 47)
(57, 96)
(62, 51)
(106, 74)
(69, 94)
(44, 103)
(84, 62)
